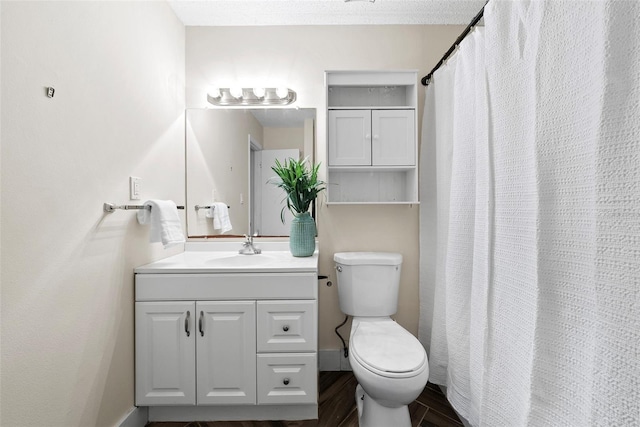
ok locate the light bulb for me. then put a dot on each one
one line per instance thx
(258, 92)
(215, 92)
(282, 92)
(236, 92)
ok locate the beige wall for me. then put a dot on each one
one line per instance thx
(282, 138)
(67, 268)
(297, 57)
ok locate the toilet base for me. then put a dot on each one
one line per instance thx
(372, 414)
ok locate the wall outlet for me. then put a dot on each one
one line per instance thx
(134, 187)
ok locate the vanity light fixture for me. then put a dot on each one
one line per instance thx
(229, 97)
(236, 92)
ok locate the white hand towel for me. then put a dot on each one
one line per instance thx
(220, 214)
(162, 215)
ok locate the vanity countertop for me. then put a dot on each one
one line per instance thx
(223, 257)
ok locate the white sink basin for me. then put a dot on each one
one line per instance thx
(235, 261)
(223, 257)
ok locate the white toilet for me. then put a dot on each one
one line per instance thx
(389, 363)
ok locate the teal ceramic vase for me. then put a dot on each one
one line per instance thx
(302, 239)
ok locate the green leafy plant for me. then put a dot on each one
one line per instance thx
(300, 182)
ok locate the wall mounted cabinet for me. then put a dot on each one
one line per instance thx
(372, 137)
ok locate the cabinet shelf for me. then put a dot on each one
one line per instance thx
(371, 169)
(371, 203)
(375, 107)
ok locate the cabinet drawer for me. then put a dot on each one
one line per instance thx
(286, 326)
(287, 378)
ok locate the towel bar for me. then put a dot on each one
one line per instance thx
(198, 207)
(110, 207)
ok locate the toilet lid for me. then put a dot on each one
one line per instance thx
(387, 347)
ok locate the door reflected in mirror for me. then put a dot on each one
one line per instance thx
(229, 154)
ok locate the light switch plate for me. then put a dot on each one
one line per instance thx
(134, 187)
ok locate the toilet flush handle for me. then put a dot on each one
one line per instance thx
(339, 268)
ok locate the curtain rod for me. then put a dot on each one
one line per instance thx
(427, 79)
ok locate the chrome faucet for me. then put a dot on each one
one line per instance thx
(248, 248)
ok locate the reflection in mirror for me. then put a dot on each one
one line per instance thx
(229, 153)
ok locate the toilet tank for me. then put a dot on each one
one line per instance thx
(368, 282)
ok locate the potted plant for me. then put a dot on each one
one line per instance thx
(299, 180)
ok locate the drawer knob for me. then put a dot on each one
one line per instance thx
(285, 328)
(285, 381)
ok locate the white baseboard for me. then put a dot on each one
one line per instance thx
(137, 417)
(333, 360)
(344, 363)
(233, 413)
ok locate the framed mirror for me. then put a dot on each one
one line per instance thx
(229, 153)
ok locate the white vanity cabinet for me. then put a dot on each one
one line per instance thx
(226, 346)
(372, 137)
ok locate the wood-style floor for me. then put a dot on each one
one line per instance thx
(338, 408)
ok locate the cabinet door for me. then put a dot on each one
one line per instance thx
(349, 137)
(394, 142)
(165, 353)
(226, 351)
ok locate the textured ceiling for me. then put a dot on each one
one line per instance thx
(324, 12)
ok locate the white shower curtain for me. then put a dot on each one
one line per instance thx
(531, 310)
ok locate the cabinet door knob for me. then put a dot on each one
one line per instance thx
(186, 323)
(285, 381)
(201, 323)
(285, 328)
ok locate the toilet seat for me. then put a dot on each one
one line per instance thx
(387, 349)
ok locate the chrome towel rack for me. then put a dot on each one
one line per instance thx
(198, 207)
(110, 207)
